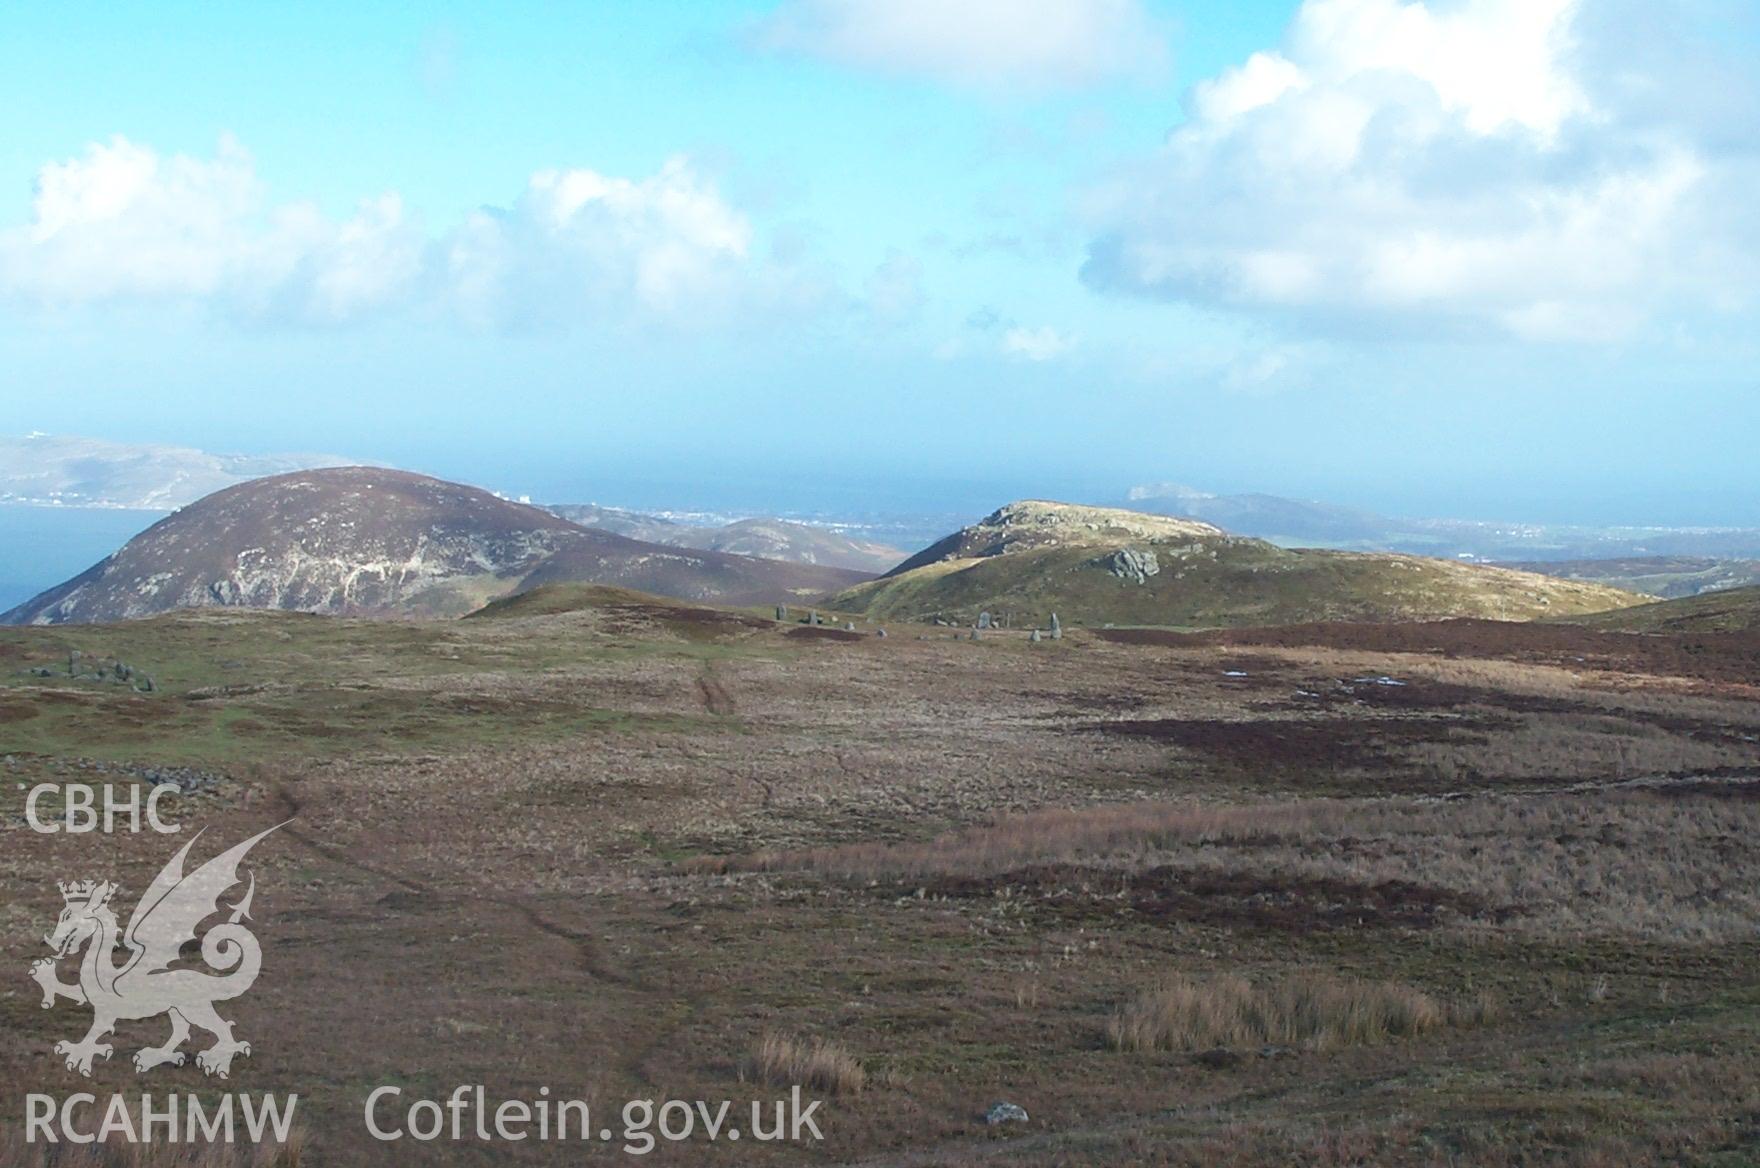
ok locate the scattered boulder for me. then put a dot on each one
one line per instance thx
(103, 670)
(1005, 1112)
(1034, 637)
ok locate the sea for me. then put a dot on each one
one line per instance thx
(42, 546)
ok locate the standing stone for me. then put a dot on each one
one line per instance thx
(781, 613)
(1034, 637)
(974, 635)
(983, 620)
(849, 626)
(812, 616)
(879, 632)
(1056, 628)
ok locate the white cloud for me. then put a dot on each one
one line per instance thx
(1031, 44)
(1468, 165)
(1036, 344)
(578, 241)
(123, 223)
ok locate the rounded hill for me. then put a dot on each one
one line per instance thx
(374, 542)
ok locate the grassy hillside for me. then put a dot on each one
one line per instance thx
(1218, 581)
(1664, 576)
(1733, 610)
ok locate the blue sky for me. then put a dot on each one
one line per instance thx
(1471, 257)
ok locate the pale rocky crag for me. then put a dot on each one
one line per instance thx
(1037, 523)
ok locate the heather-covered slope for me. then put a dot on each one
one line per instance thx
(369, 541)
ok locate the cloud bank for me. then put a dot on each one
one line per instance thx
(123, 223)
(1483, 167)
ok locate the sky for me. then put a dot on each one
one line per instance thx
(1493, 258)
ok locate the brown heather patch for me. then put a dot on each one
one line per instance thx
(822, 633)
(1036, 836)
(1228, 899)
(1314, 743)
(1620, 862)
(1706, 656)
(17, 711)
(684, 621)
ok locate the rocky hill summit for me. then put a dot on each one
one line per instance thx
(368, 541)
(1035, 524)
(1097, 565)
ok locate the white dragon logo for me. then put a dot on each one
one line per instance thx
(147, 983)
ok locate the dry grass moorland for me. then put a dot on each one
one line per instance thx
(1455, 894)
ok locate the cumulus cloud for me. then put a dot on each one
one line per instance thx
(123, 223)
(579, 241)
(1035, 44)
(1483, 165)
